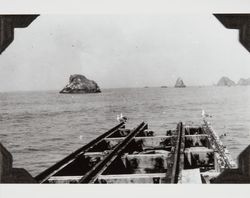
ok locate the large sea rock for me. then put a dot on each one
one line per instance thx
(179, 83)
(244, 82)
(80, 84)
(225, 81)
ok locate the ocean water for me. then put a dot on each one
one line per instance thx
(41, 128)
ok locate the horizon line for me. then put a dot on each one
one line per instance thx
(105, 88)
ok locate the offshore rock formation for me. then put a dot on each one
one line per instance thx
(225, 81)
(179, 83)
(244, 82)
(80, 84)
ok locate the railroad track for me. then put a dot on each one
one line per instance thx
(91, 175)
(136, 155)
(53, 170)
(99, 168)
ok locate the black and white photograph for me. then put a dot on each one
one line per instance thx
(125, 98)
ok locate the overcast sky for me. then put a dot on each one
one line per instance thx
(122, 51)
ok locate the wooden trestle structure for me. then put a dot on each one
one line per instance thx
(187, 154)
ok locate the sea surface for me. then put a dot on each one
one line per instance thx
(41, 128)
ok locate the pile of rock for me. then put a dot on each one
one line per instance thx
(225, 81)
(179, 83)
(80, 84)
(244, 82)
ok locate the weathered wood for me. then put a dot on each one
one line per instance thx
(98, 169)
(64, 179)
(196, 140)
(113, 179)
(199, 157)
(209, 175)
(42, 177)
(155, 142)
(186, 148)
(147, 163)
(191, 176)
(216, 144)
(132, 178)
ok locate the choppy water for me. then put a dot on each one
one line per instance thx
(40, 128)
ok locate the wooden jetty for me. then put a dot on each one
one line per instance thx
(187, 154)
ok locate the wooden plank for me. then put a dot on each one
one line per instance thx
(199, 157)
(145, 163)
(196, 140)
(121, 178)
(64, 179)
(191, 176)
(132, 178)
(208, 175)
(146, 142)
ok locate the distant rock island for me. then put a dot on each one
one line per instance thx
(179, 83)
(164, 86)
(225, 81)
(80, 84)
(244, 82)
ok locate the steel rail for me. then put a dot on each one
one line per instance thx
(175, 168)
(100, 167)
(42, 177)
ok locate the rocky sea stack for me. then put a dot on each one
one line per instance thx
(225, 81)
(179, 83)
(244, 82)
(80, 84)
